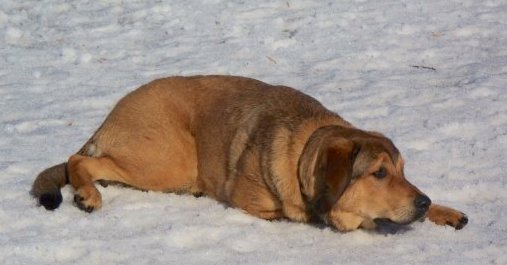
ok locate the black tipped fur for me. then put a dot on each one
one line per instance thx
(51, 201)
(46, 187)
(462, 222)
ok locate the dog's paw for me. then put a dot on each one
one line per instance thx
(88, 199)
(461, 222)
(442, 215)
(295, 213)
(346, 221)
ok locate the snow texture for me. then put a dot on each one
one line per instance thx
(431, 75)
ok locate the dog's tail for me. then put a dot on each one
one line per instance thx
(46, 187)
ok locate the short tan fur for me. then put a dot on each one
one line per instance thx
(271, 151)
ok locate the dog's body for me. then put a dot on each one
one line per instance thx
(269, 150)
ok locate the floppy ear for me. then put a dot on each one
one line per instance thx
(325, 169)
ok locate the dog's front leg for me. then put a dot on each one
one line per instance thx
(442, 215)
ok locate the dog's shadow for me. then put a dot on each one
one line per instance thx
(392, 228)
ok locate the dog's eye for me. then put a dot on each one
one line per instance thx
(381, 173)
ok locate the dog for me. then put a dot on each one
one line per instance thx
(271, 151)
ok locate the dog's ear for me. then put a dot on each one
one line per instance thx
(325, 169)
(336, 164)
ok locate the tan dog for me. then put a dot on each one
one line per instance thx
(270, 150)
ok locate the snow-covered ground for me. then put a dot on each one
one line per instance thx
(432, 75)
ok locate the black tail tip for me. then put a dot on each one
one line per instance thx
(50, 201)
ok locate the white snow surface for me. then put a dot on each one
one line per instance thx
(64, 64)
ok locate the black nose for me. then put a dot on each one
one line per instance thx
(422, 202)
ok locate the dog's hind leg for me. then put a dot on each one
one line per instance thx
(83, 171)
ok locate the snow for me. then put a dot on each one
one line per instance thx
(65, 63)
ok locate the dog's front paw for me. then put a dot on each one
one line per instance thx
(442, 215)
(88, 199)
(346, 221)
(295, 213)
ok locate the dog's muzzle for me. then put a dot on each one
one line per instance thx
(421, 204)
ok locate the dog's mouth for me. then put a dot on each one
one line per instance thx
(388, 226)
(387, 221)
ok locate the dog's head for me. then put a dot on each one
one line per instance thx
(352, 179)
